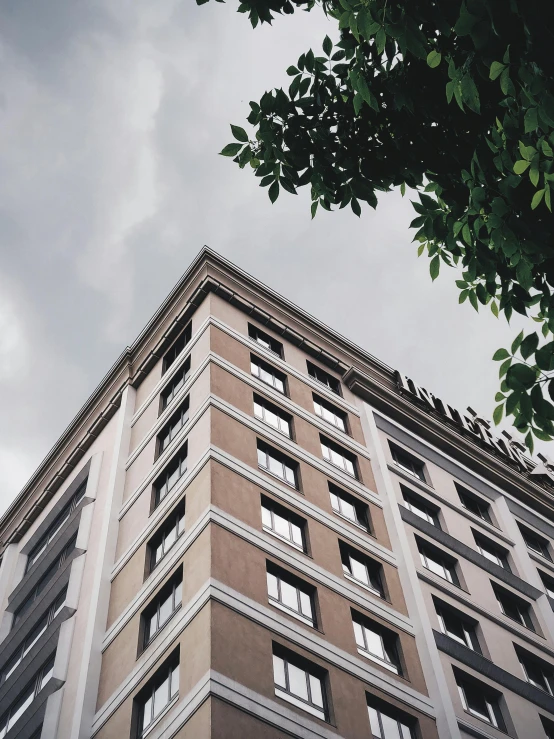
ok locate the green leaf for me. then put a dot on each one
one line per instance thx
(529, 443)
(528, 345)
(355, 207)
(434, 59)
(273, 192)
(327, 45)
(231, 150)
(497, 414)
(421, 249)
(434, 267)
(496, 69)
(512, 403)
(499, 355)
(314, 208)
(517, 342)
(465, 22)
(531, 120)
(504, 367)
(499, 397)
(463, 296)
(470, 94)
(537, 197)
(292, 71)
(544, 357)
(520, 166)
(521, 375)
(239, 133)
(551, 388)
(473, 300)
(403, 189)
(494, 308)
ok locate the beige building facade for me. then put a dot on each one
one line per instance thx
(254, 528)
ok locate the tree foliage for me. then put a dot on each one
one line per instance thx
(454, 100)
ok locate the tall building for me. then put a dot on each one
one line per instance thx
(253, 528)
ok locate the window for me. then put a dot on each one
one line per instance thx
(24, 700)
(33, 637)
(376, 642)
(338, 456)
(387, 722)
(172, 353)
(43, 582)
(438, 562)
(299, 682)
(283, 523)
(265, 340)
(422, 508)
(158, 693)
(277, 464)
(514, 607)
(548, 583)
(349, 507)
(272, 415)
(39, 549)
(492, 551)
(166, 603)
(535, 543)
(165, 538)
(408, 463)
(175, 384)
(268, 374)
(330, 413)
(173, 426)
(479, 700)
(457, 626)
(324, 377)
(537, 672)
(474, 504)
(290, 594)
(170, 476)
(362, 569)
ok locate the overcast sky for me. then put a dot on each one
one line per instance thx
(111, 117)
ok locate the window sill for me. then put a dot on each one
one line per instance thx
(292, 613)
(381, 662)
(157, 720)
(364, 586)
(284, 539)
(282, 392)
(338, 467)
(300, 704)
(484, 721)
(353, 523)
(281, 479)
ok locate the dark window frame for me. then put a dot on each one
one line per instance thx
(543, 545)
(172, 591)
(176, 520)
(380, 707)
(493, 549)
(504, 597)
(178, 346)
(292, 518)
(361, 509)
(270, 407)
(346, 455)
(178, 462)
(547, 583)
(390, 642)
(311, 669)
(477, 505)
(434, 554)
(329, 381)
(467, 625)
(471, 691)
(530, 662)
(169, 669)
(268, 342)
(29, 693)
(287, 462)
(375, 576)
(338, 413)
(412, 463)
(178, 381)
(176, 422)
(417, 501)
(277, 376)
(301, 587)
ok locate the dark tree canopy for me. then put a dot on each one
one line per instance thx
(455, 100)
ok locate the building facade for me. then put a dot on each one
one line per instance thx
(254, 528)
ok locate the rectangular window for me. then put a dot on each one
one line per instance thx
(479, 700)
(268, 374)
(457, 626)
(421, 507)
(43, 582)
(165, 604)
(33, 637)
(492, 551)
(362, 569)
(175, 384)
(300, 683)
(277, 464)
(349, 507)
(537, 672)
(474, 504)
(26, 697)
(158, 693)
(376, 642)
(338, 456)
(514, 607)
(438, 562)
(173, 426)
(324, 378)
(330, 413)
(54, 529)
(265, 340)
(272, 415)
(387, 722)
(164, 539)
(177, 347)
(283, 523)
(290, 594)
(535, 543)
(172, 473)
(407, 462)
(548, 583)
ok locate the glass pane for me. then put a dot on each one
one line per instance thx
(178, 595)
(158, 554)
(254, 368)
(289, 595)
(272, 586)
(406, 732)
(161, 696)
(359, 635)
(266, 376)
(374, 644)
(306, 604)
(258, 411)
(266, 517)
(336, 458)
(325, 451)
(151, 626)
(174, 681)
(275, 467)
(20, 708)
(279, 672)
(284, 426)
(297, 681)
(318, 408)
(374, 723)
(279, 385)
(147, 713)
(262, 458)
(271, 418)
(391, 730)
(359, 570)
(316, 691)
(349, 466)
(282, 526)
(289, 475)
(340, 423)
(170, 538)
(297, 534)
(166, 609)
(334, 502)
(348, 510)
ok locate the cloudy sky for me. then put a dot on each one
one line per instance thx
(111, 117)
